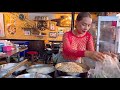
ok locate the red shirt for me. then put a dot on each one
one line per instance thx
(74, 46)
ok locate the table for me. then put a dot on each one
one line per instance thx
(8, 54)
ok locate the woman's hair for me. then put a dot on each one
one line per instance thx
(81, 15)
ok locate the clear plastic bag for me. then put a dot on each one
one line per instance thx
(109, 68)
(89, 62)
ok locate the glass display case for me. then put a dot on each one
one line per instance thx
(108, 34)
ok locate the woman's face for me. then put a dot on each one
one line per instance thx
(84, 25)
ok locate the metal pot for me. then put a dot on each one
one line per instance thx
(33, 75)
(77, 74)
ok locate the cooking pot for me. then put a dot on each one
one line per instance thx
(33, 75)
(4, 68)
(82, 74)
(42, 68)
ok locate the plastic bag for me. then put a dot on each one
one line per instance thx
(89, 62)
(109, 68)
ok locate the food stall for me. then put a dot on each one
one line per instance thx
(51, 31)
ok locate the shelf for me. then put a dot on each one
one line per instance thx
(41, 20)
(28, 28)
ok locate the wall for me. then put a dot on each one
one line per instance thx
(19, 34)
(32, 15)
(13, 18)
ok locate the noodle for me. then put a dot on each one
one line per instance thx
(70, 67)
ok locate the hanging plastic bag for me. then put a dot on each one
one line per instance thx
(109, 68)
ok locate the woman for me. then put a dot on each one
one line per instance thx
(79, 42)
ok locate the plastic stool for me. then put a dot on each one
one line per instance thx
(33, 55)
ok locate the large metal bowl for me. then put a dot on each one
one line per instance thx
(4, 72)
(39, 65)
(33, 75)
(41, 69)
(45, 69)
(11, 65)
(4, 68)
(68, 77)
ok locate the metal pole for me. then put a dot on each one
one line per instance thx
(72, 21)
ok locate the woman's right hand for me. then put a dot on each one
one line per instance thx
(94, 55)
(111, 54)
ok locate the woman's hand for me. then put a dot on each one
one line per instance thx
(111, 54)
(94, 55)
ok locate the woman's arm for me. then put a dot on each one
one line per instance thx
(94, 55)
(77, 53)
(90, 52)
